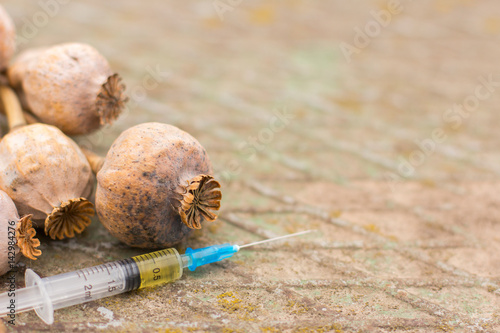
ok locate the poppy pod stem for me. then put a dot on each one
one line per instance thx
(96, 162)
(30, 118)
(12, 108)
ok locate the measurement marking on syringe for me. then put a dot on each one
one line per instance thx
(150, 256)
(109, 273)
(83, 275)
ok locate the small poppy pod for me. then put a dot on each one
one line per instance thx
(70, 86)
(46, 175)
(7, 39)
(17, 234)
(156, 186)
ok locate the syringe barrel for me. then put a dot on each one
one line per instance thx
(101, 281)
(113, 278)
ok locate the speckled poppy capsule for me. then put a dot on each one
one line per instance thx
(7, 39)
(155, 186)
(70, 86)
(45, 173)
(17, 234)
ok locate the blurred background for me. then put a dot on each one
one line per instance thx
(375, 122)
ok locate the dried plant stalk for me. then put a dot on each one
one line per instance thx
(96, 162)
(12, 107)
(30, 118)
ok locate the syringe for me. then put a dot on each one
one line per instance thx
(88, 284)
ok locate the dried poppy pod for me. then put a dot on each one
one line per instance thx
(17, 234)
(155, 186)
(70, 86)
(7, 39)
(45, 173)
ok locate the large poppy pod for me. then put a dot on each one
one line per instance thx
(156, 186)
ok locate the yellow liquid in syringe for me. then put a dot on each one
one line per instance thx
(159, 267)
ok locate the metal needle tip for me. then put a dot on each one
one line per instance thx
(277, 238)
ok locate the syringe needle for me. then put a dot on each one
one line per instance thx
(277, 238)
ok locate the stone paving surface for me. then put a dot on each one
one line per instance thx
(380, 134)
